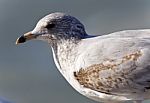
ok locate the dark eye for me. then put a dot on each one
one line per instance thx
(49, 26)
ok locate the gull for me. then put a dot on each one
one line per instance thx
(112, 68)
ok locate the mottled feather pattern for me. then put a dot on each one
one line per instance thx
(91, 77)
(113, 67)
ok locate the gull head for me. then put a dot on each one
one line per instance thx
(55, 27)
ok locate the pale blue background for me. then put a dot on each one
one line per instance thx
(27, 72)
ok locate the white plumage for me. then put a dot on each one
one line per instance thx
(107, 68)
(130, 54)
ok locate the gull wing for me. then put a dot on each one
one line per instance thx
(115, 64)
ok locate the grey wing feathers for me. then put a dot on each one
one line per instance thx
(116, 66)
(124, 77)
(142, 77)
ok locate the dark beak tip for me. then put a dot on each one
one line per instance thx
(21, 39)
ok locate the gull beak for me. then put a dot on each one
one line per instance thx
(25, 37)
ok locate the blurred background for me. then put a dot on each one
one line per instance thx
(27, 72)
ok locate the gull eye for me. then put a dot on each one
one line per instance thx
(49, 26)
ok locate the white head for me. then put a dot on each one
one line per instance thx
(55, 27)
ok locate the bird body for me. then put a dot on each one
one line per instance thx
(115, 56)
(113, 67)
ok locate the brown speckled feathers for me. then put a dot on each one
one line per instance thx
(90, 77)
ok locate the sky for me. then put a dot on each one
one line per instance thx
(27, 72)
